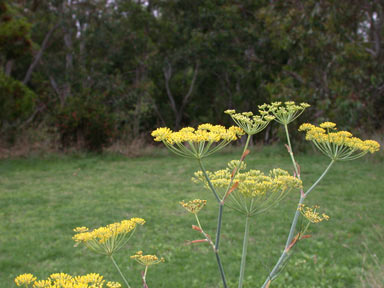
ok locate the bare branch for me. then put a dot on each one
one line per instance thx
(39, 54)
(167, 75)
(188, 95)
(157, 111)
(294, 75)
(8, 67)
(54, 85)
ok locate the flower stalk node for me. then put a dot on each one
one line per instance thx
(233, 188)
(194, 227)
(297, 237)
(288, 148)
(246, 152)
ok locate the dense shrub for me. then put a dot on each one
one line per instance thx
(17, 102)
(86, 123)
(15, 38)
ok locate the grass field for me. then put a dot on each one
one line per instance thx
(43, 199)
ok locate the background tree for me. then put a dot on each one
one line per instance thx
(142, 64)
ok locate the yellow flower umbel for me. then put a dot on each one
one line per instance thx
(250, 123)
(285, 113)
(147, 260)
(25, 279)
(113, 285)
(197, 143)
(62, 280)
(311, 214)
(194, 206)
(107, 240)
(60, 277)
(42, 284)
(255, 192)
(339, 145)
(93, 280)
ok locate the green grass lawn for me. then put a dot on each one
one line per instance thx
(43, 199)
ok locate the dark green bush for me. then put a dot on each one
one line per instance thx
(17, 102)
(15, 39)
(85, 122)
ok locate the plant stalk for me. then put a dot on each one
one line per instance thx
(218, 230)
(144, 276)
(293, 227)
(291, 151)
(244, 254)
(221, 207)
(275, 269)
(118, 269)
(208, 180)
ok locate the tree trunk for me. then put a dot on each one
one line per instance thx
(39, 54)
(8, 67)
(178, 112)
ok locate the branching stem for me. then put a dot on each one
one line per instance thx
(118, 269)
(221, 207)
(287, 247)
(244, 254)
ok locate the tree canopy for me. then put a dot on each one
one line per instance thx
(113, 68)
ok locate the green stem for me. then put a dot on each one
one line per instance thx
(221, 207)
(208, 180)
(198, 222)
(218, 231)
(238, 168)
(144, 276)
(118, 269)
(221, 269)
(291, 151)
(283, 256)
(217, 243)
(294, 223)
(244, 254)
(219, 220)
(321, 177)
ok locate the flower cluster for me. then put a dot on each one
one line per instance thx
(285, 113)
(250, 123)
(256, 192)
(197, 143)
(62, 280)
(193, 206)
(25, 279)
(338, 145)
(147, 260)
(311, 214)
(234, 164)
(108, 239)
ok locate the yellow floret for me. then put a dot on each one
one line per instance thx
(194, 206)
(254, 192)
(192, 143)
(92, 279)
(328, 125)
(338, 145)
(249, 123)
(306, 127)
(311, 214)
(60, 277)
(42, 284)
(80, 229)
(287, 112)
(113, 285)
(146, 260)
(110, 238)
(25, 279)
(161, 134)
